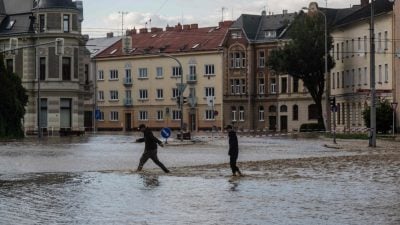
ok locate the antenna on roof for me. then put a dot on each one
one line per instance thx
(223, 9)
(122, 27)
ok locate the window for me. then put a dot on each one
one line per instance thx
(42, 23)
(210, 115)
(243, 85)
(10, 65)
(333, 80)
(337, 79)
(343, 53)
(100, 75)
(261, 59)
(66, 68)
(100, 96)
(160, 72)
(365, 45)
(128, 97)
(380, 74)
(343, 79)
(347, 48)
(295, 85)
(295, 112)
(42, 68)
(192, 73)
(143, 94)
(236, 34)
(209, 91)
(283, 108)
(241, 113)
(209, 69)
(114, 116)
(114, 95)
(128, 76)
(365, 75)
(233, 113)
(261, 86)
(160, 115)
(312, 112)
(176, 115)
(10, 24)
(175, 93)
(359, 44)
(273, 86)
(66, 23)
(261, 113)
(142, 73)
(337, 51)
(176, 71)
(284, 85)
(272, 109)
(352, 47)
(160, 94)
(143, 116)
(379, 42)
(237, 59)
(113, 74)
(386, 73)
(386, 41)
(353, 77)
(101, 117)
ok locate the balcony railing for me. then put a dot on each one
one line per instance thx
(128, 82)
(191, 78)
(128, 102)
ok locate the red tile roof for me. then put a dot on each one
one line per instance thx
(186, 38)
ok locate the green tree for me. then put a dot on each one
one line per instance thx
(384, 116)
(13, 100)
(303, 57)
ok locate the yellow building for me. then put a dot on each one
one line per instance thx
(139, 79)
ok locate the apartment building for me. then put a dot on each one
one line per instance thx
(350, 78)
(53, 77)
(140, 78)
(256, 98)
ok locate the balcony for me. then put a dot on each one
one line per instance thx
(191, 78)
(128, 82)
(128, 102)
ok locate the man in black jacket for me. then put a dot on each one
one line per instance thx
(150, 148)
(233, 149)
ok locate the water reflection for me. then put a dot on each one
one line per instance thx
(150, 181)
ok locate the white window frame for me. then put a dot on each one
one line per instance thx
(209, 69)
(209, 115)
(261, 59)
(128, 76)
(175, 93)
(114, 95)
(100, 96)
(209, 92)
(261, 114)
(160, 115)
(143, 94)
(113, 74)
(176, 71)
(176, 115)
(100, 75)
(143, 116)
(160, 93)
(386, 73)
(159, 72)
(261, 86)
(241, 113)
(114, 116)
(143, 74)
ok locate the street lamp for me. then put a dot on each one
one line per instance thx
(372, 140)
(394, 106)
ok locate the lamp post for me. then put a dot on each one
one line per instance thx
(394, 107)
(372, 140)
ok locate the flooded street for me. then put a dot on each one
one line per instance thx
(90, 180)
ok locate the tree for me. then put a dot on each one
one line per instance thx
(303, 57)
(13, 100)
(384, 115)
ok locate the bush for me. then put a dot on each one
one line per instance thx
(308, 127)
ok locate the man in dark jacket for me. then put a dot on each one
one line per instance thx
(233, 149)
(150, 148)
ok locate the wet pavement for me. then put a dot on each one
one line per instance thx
(90, 180)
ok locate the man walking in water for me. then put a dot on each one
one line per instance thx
(150, 148)
(233, 149)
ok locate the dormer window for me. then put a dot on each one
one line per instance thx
(270, 34)
(236, 34)
(66, 23)
(10, 24)
(42, 23)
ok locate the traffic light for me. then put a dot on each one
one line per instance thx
(178, 100)
(185, 100)
(59, 46)
(332, 101)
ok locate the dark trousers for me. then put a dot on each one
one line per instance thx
(153, 156)
(233, 160)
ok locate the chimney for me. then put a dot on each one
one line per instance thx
(178, 27)
(110, 35)
(364, 3)
(194, 26)
(128, 32)
(143, 31)
(263, 13)
(285, 12)
(134, 31)
(186, 27)
(168, 28)
(155, 29)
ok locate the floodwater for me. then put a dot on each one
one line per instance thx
(90, 180)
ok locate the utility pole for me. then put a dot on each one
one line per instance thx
(372, 140)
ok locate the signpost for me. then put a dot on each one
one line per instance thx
(166, 133)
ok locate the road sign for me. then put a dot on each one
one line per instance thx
(97, 114)
(166, 132)
(181, 87)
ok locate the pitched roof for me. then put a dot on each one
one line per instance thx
(380, 7)
(172, 40)
(254, 26)
(97, 45)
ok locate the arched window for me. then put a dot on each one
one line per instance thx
(272, 109)
(261, 113)
(295, 112)
(283, 108)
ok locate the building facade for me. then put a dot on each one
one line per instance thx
(53, 76)
(139, 79)
(256, 98)
(350, 78)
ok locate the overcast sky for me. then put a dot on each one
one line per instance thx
(102, 16)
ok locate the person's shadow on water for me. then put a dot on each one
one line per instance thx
(150, 181)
